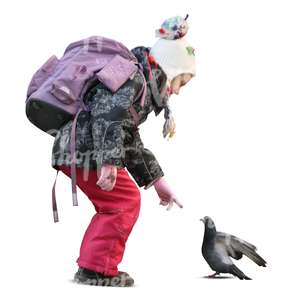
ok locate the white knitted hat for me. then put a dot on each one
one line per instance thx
(174, 56)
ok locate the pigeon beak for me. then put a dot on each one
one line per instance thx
(202, 220)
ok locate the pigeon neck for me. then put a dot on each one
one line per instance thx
(209, 233)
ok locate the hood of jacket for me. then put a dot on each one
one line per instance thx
(141, 54)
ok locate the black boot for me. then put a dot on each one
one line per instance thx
(86, 276)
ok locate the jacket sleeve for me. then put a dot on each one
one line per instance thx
(141, 162)
(109, 111)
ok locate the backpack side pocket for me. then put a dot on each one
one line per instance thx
(42, 74)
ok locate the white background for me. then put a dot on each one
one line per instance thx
(227, 159)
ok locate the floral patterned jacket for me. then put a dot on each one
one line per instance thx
(107, 133)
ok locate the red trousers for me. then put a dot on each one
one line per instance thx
(103, 244)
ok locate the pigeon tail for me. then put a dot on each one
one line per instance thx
(234, 270)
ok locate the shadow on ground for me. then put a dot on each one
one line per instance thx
(217, 277)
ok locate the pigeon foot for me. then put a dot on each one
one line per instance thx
(213, 275)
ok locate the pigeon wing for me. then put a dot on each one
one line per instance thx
(226, 240)
(237, 247)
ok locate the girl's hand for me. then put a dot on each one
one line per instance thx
(167, 197)
(107, 177)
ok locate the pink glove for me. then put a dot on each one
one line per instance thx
(167, 197)
(107, 177)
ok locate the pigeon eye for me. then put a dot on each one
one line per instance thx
(174, 27)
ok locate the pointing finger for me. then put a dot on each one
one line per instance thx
(178, 203)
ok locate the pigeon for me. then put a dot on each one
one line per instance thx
(218, 248)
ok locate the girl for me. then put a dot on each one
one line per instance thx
(109, 146)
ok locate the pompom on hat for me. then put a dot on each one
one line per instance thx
(173, 28)
(175, 56)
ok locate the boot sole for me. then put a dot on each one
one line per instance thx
(115, 281)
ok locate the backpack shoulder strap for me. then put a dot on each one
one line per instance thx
(54, 205)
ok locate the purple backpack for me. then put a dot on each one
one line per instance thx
(56, 92)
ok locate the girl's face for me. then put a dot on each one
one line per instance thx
(179, 81)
